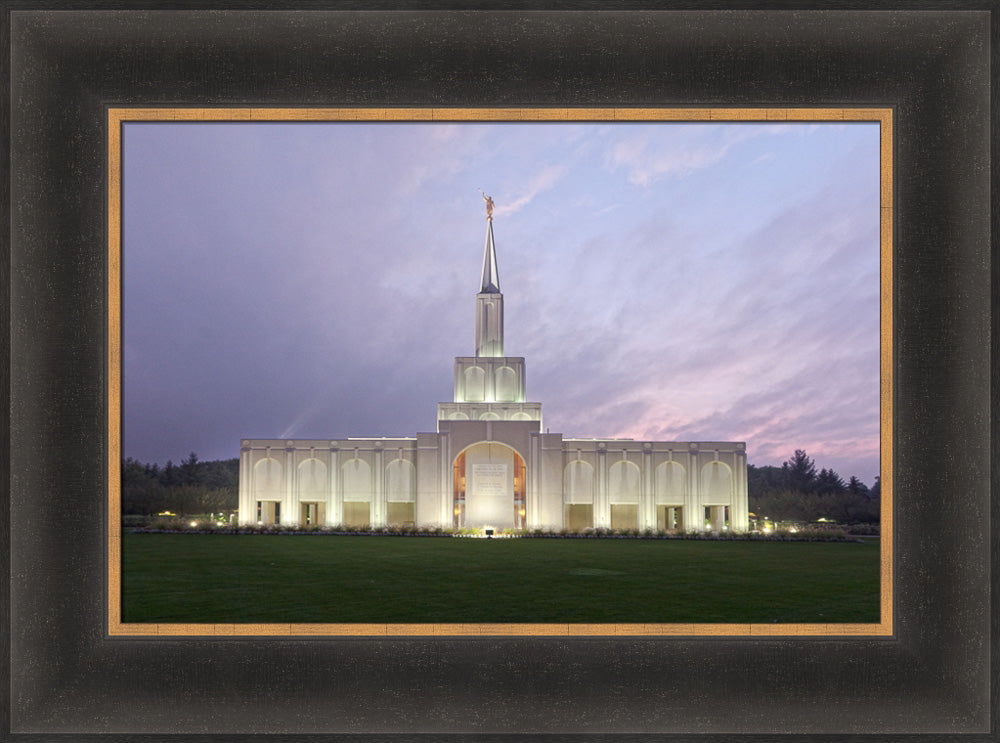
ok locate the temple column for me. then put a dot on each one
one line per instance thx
(739, 510)
(289, 515)
(717, 518)
(602, 509)
(334, 504)
(532, 466)
(693, 515)
(378, 515)
(247, 510)
(647, 509)
(446, 490)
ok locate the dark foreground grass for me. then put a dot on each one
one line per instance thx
(289, 578)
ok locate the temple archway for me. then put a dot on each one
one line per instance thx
(578, 495)
(268, 490)
(489, 487)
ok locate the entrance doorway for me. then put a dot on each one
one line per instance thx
(624, 516)
(716, 518)
(489, 488)
(579, 516)
(312, 513)
(669, 518)
(268, 512)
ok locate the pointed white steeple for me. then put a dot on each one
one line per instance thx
(489, 301)
(491, 277)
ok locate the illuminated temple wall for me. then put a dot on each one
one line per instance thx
(622, 484)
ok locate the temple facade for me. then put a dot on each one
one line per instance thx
(489, 466)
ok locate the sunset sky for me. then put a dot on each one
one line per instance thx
(663, 281)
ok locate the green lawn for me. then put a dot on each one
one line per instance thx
(288, 578)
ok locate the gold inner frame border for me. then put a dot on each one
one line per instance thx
(117, 116)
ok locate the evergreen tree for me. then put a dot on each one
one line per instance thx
(796, 492)
(194, 487)
(856, 487)
(765, 479)
(189, 469)
(800, 472)
(170, 477)
(828, 482)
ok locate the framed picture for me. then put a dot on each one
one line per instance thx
(929, 672)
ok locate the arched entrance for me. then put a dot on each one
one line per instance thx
(489, 487)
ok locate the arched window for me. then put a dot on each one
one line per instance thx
(357, 492)
(357, 480)
(268, 490)
(578, 482)
(400, 492)
(578, 495)
(623, 494)
(506, 384)
(669, 484)
(400, 481)
(475, 384)
(313, 482)
(623, 482)
(716, 484)
(267, 480)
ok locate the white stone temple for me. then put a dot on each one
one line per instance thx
(489, 465)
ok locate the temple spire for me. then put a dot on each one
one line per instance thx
(489, 301)
(491, 277)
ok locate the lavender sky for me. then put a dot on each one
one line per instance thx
(664, 281)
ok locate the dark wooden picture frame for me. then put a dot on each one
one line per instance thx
(70, 62)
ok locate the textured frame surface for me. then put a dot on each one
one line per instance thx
(931, 69)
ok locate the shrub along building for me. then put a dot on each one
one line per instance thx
(489, 465)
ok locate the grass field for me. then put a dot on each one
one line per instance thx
(288, 578)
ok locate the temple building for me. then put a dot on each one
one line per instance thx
(489, 466)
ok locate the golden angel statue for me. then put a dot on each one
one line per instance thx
(489, 204)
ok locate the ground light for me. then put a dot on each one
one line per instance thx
(486, 532)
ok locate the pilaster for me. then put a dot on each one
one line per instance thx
(378, 476)
(247, 508)
(693, 518)
(446, 492)
(335, 503)
(602, 508)
(647, 511)
(739, 517)
(289, 504)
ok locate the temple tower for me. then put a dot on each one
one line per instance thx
(490, 385)
(489, 301)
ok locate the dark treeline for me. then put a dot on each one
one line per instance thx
(795, 491)
(191, 487)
